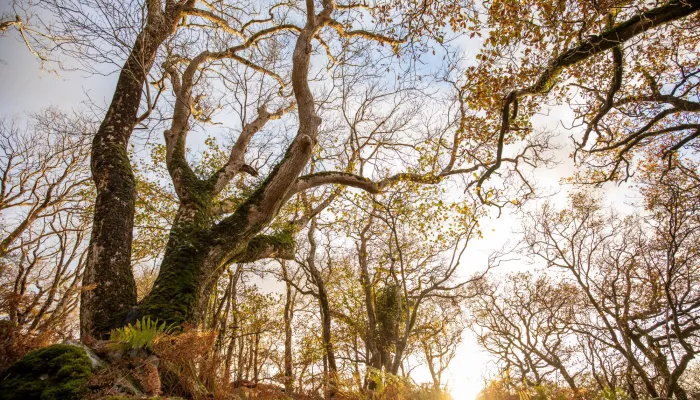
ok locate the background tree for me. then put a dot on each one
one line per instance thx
(321, 294)
(610, 53)
(528, 323)
(45, 195)
(441, 330)
(632, 284)
(400, 268)
(620, 282)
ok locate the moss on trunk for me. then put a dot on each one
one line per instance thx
(108, 269)
(175, 292)
(197, 250)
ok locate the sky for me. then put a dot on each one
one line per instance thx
(26, 88)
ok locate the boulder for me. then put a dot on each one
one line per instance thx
(57, 372)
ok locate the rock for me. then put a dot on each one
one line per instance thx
(95, 360)
(124, 386)
(57, 372)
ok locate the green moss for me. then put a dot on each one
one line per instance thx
(388, 306)
(120, 153)
(198, 192)
(282, 241)
(174, 294)
(54, 372)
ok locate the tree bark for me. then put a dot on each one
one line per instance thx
(195, 257)
(109, 282)
(234, 328)
(375, 358)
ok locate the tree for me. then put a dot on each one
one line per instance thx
(250, 39)
(108, 266)
(401, 268)
(45, 195)
(237, 238)
(246, 321)
(617, 56)
(528, 324)
(441, 330)
(290, 298)
(321, 294)
(622, 318)
(637, 280)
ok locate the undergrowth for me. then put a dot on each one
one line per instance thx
(143, 335)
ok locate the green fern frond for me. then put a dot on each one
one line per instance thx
(143, 335)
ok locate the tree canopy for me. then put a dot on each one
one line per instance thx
(350, 152)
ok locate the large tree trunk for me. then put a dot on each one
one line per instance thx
(194, 259)
(176, 290)
(198, 250)
(108, 278)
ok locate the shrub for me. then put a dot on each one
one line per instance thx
(186, 366)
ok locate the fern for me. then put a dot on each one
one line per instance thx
(143, 335)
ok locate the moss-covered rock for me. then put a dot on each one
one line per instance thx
(52, 373)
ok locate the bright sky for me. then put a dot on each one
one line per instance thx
(472, 365)
(25, 88)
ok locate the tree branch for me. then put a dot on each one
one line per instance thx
(640, 23)
(280, 245)
(236, 160)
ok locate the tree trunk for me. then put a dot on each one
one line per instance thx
(255, 357)
(108, 278)
(328, 344)
(288, 317)
(332, 378)
(375, 358)
(240, 359)
(234, 328)
(194, 259)
(177, 289)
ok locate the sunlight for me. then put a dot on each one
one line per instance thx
(464, 392)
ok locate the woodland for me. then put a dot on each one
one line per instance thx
(280, 199)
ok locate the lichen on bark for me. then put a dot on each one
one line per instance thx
(108, 269)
